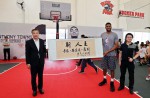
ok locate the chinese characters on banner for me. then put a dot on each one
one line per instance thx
(75, 48)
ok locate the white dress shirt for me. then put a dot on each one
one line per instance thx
(37, 43)
(6, 43)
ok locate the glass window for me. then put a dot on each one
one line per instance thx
(51, 34)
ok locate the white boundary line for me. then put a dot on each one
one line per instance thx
(10, 62)
(9, 68)
(119, 82)
(61, 73)
(43, 74)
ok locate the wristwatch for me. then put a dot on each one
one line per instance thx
(133, 59)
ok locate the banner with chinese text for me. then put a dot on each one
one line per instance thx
(75, 48)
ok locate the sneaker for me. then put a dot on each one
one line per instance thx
(81, 71)
(112, 87)
(96, 70)
(103, 82)
(131, 91)
(141, 64)
(78, 64)
(85, 65)
(148, 78)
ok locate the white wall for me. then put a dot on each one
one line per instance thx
(10, 12)
(84, 13)
(89, 13)
(135, 24)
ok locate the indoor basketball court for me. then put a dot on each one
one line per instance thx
(63, 32)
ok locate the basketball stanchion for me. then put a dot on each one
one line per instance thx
(55, 18)
(56, 12)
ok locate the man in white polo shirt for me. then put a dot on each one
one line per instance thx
(6, 49)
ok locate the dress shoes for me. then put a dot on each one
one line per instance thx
(41, 91)
(131, 91)
(120, 88)
(34, 93)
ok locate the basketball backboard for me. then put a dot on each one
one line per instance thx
(52, 10)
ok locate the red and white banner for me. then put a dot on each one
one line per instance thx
(131, 14)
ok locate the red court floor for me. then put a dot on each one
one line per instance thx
(61, 80)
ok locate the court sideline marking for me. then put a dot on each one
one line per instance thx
(119, 83)
(10, 68)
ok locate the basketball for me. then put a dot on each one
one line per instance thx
(14, 57)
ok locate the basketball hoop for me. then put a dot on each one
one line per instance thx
(55, 16)
(50, 9)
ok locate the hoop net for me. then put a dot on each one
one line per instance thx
(55, 18)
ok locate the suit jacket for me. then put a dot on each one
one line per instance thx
(33, 56)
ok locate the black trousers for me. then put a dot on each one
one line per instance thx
(6, 52)
(124, 66)
(83, 64)
(79, 63)
(37, 70)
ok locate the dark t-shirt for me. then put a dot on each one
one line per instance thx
(128, 50)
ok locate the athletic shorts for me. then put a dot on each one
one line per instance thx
(109, 62)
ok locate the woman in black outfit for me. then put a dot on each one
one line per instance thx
(127, 54)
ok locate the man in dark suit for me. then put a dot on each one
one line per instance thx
(35, 53)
